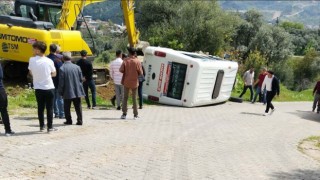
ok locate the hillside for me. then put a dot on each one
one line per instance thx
(306, 12)
(105, 11)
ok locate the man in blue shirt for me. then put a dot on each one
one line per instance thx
(58, 101)
(4, 106)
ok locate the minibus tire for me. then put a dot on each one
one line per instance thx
(235, 99)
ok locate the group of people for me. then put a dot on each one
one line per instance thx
(60, 103)
(58, 82)
(267, 87)
(55, 78)
(128, 75)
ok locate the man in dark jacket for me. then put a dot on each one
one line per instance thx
(4, 106)
(316, 94)
(70, 88)
(272, 85)
(57, 100)
(141, 80)
(88, 82)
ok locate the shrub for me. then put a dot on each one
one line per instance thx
(104, 57)
(255, 60)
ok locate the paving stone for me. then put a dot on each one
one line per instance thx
(227, 141)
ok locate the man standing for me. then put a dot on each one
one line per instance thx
(70, 88)
(131, 69)
(248, 78)
(88, 82)
(259, 91)
(42, 70)
(4, 106)
(57, 100)
(113, 99)
(271, 83)
(116, 75)
(316, 94)
(141, 80)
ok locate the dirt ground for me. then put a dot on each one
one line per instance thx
(309, 147)
(106, 92)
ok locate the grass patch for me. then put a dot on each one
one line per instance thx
(286, 95)
(100, 64)
(100, 102)
(21, 101)
(315, 139)
(107, 103)
(148, 102)
(310, 147)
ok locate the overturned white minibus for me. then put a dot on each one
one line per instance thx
(187, 79)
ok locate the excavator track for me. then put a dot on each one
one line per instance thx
(15, 71)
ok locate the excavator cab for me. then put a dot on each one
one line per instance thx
(43, 14)
(52, 21)
(35, 20)
(39, 10)
(34, 14)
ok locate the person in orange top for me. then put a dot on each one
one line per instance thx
(131, 69)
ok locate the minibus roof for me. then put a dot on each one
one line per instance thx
(203, 57)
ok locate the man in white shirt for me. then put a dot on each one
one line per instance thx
(116, 75)
(248, 79)
(42, 70)
(271, 83)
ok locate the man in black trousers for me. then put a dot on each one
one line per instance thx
(88, 82)
(70, 88)
(42, 70)
(3, 106)
(272, 85)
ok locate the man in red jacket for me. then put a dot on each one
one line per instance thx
(131, 69)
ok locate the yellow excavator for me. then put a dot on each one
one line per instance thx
(50, 21)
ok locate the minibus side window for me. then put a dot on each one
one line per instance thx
(217, 85)
(177, 79)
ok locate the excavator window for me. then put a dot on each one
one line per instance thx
(41, 11)
(24, 11)
(49, 14)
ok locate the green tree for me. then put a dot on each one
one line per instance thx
(273, 42)
(248, 28)
(306, 70)
(302, 39)
(255, 60)
(105, 57)
(186, 25)
(285, 72)
(154, 12)
(6, 8)
(291, 25)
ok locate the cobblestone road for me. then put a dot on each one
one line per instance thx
(228, 141)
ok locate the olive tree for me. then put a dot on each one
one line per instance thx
(273, 42)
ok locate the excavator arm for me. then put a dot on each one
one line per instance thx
(72, 8)
(70, 11)
(128, 14)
